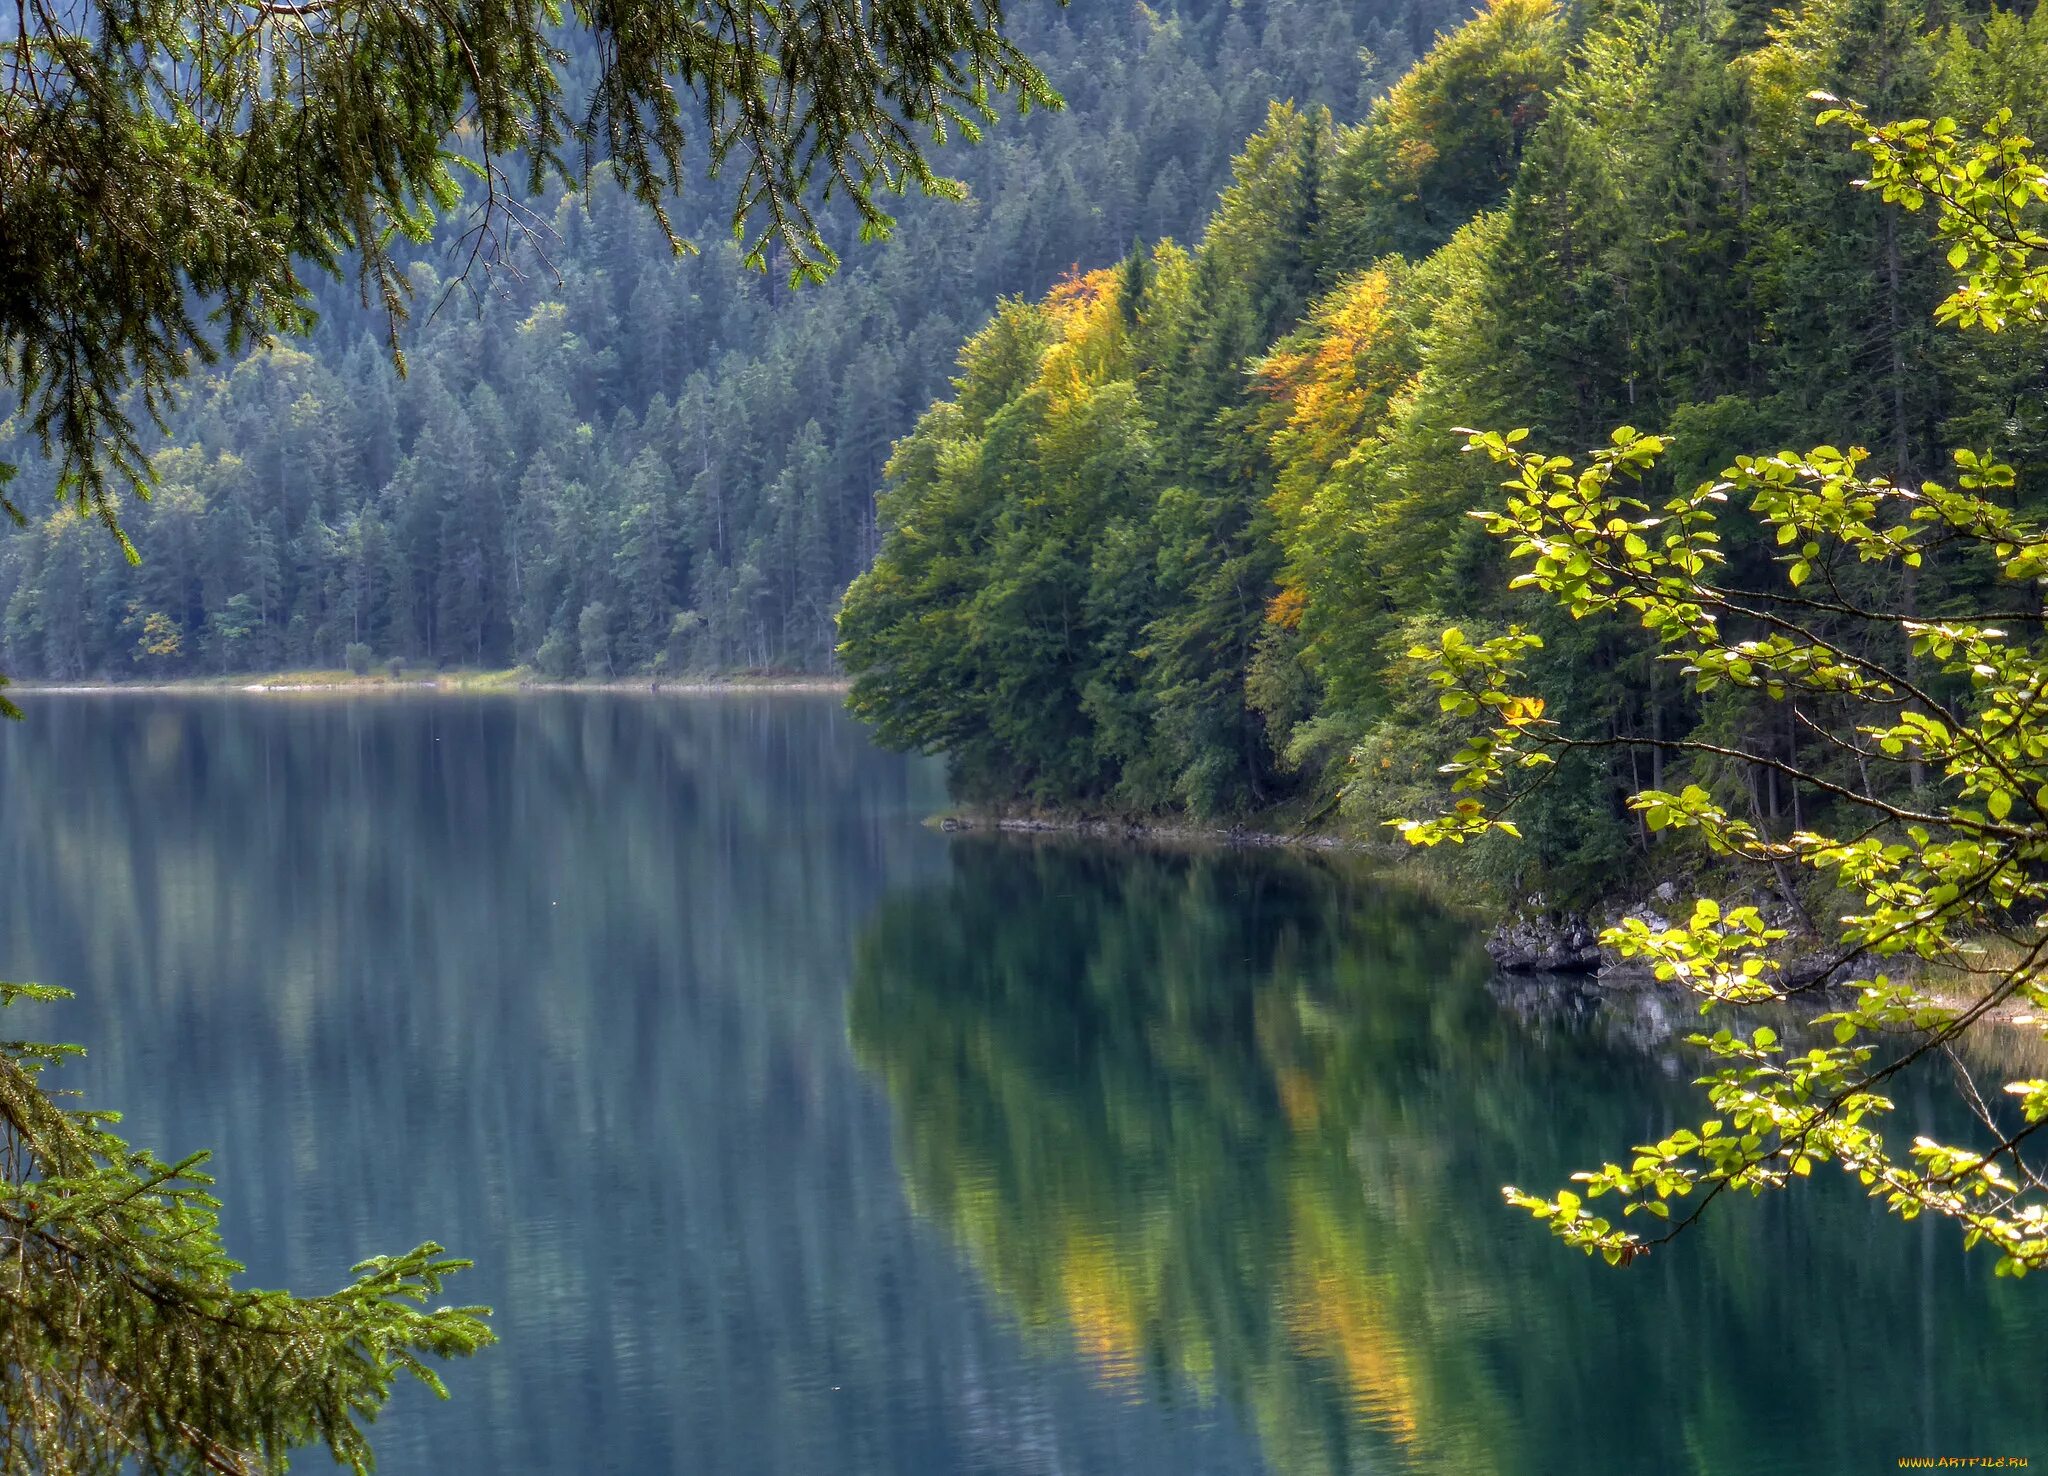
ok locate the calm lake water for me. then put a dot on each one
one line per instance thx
(792, 1137)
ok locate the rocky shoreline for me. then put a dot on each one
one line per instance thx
(1537, 940)
(1541, 941)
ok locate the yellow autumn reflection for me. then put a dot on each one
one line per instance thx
(1103, 1305)
(1138, 1128)
(1336, 1313)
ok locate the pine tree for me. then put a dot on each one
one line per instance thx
(127, 1343)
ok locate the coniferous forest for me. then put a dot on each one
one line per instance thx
(604, 459)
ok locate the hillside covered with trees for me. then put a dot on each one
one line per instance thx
(1173, 539)
(617, 460)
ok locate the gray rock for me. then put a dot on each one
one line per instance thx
(1546, 943)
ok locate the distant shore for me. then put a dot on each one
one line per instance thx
(464, 682)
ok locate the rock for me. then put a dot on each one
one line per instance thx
(1805, 970)
(1667, 892)
(1624, 973)
(1655, 921)
(1545, 943)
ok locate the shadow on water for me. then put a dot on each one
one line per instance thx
(1231, 1129)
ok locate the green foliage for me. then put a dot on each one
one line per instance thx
(1925, 764)
(1078, 597)
(1638, 222)
(556, 657)
(1446, 140)
(594, 639)
(128, 1345)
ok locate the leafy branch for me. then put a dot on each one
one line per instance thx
(1941, 850)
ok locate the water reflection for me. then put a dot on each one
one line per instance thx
(561, 982)
(1230, 1130)
(1200, 1153)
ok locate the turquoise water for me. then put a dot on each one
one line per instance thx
(793, 1137)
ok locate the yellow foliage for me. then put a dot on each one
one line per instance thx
(160, 636)
(1331, 384)
(1329, 389)
(1090, 349)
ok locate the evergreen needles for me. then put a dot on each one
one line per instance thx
(126, 1344)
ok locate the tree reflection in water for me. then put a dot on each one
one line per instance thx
(1233, 1127)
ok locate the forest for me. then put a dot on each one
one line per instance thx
(605, 459)
(1162, 535)
(1183, 529)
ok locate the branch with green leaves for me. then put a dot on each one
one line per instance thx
(172, 171)
(1928, 774)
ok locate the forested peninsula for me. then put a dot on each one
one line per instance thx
(1180, 536)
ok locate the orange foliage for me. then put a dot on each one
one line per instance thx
(1285, 608)
(1079, 289)
(1412, 158)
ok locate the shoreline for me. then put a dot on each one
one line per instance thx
(1557, 949)
(1524, 942)
(1165, 832)
(460, 684)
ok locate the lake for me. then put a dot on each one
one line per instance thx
(791, 1136)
